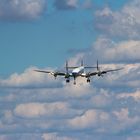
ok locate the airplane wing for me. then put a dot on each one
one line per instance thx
(43, 71)
(88, 74)
(92, 73)
(71, 67)
(111, 70)
(61, 73)
(52, 72)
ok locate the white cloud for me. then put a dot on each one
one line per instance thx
(87, 4)
(70, 107)
(135, 95)
(103, 106)
(122, 24)
(33, 110)
(125, 121)
(72, 4)
(113, 55)
(107, 50)
(101, 99)
(29, 78)
(21, 9)
(66, 4)
(54, 136)
(3, 137)
(30, 110)
(8, 116)
(90, 119)
(133, 138)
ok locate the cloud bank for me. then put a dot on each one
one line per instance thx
(107, 107)
(14, 10)
(124, 24)
(66, 4)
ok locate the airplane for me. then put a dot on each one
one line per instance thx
(77, 71)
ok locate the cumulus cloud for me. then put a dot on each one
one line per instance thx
(87, 4)
(99, 121)
(133, 138)
(113, 55)
(107, 51)
(66, 4)
(90, 119)
(124, 24)
(135, 95)
(33, 110)
(21, 9)
(50, 136)
(29, 78)
(69, 108)
(108, 105)
(72, 4)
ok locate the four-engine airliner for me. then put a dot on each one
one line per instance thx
(78, 71)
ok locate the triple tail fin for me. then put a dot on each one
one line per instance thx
(98, 69)
(82, 63)
(67, 68)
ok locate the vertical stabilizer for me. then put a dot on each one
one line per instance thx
(66, 66)
(82, 63)
(98, 66)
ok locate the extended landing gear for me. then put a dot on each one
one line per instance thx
(88, 80)
(74, 80)
(55, 77)
(67, 80)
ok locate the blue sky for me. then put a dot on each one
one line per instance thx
(42, 34)
(45, 40)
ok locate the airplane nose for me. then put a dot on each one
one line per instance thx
(74, 74)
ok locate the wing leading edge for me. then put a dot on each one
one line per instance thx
(55, 73)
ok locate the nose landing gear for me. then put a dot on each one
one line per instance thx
(74, 80)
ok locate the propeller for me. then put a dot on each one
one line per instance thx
(66, 66)
(67, 70)
(82, 63)
(97, 66)
(98, 70)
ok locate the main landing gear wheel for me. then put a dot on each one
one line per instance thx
(88, 80)
(67, 80)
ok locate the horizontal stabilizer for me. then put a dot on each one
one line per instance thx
(89, 67)
(86, 67)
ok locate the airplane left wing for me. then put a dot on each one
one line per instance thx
(111, 70)
(61, 73)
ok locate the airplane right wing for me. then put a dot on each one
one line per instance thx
(43, 71)
(55, 73)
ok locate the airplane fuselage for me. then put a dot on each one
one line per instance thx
(77, 71)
